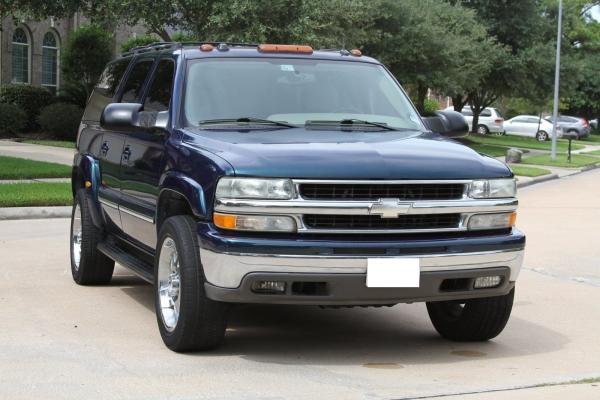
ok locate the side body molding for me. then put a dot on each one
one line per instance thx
(187, 187)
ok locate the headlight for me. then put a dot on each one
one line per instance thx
(252, 188)
(492, 221)
(493, 189)
(258, 223)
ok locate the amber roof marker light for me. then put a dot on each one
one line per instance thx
(356, 52)
(285, 48)
(207, 47)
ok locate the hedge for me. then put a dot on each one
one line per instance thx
(61, 120)
(31, 99)
(12, 120)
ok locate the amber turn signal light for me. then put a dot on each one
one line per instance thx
(512, 220)
(225, 221)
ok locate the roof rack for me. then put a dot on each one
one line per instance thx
(158, 46)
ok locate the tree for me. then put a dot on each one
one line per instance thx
(429, 44)
(85, 54)
(521, 65)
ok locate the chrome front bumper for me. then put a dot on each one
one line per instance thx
(227, 270)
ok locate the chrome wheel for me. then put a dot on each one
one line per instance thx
(169, 280)
(482, 130)
(76, 234)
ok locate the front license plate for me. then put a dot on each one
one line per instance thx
(393, 272)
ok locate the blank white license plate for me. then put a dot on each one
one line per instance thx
(393, 272)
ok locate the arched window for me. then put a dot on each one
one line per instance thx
(50, 62)
(20, 56)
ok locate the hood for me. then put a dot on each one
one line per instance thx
(325, 154)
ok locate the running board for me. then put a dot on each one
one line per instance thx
(135, 265)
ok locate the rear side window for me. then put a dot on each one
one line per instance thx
(110, 78)
(159, 95)
(135, 81)
(106, 88)
(486, 113)
(467, 112)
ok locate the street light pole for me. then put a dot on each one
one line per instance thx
(556, 80)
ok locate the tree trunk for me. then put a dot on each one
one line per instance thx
(164, 35)
(459, 102)
(421, 95)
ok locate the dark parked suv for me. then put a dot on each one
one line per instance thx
(228, 173)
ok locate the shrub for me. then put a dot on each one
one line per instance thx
(85, 55)
(183, 37)
(138, 41)
(12, 119)
(31, 99)
(61, 120)
(430, 107)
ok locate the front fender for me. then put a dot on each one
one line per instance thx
(187, 187)
(87, 169)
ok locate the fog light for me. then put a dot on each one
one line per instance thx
(268, 287)
(487, 282)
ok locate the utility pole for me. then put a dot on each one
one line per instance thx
(556, 80)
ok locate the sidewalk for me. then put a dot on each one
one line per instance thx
(37, 152)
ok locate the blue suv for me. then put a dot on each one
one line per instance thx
(228, 173)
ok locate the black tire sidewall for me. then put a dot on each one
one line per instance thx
(202, 322)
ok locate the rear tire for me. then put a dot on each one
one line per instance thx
(482, 130)
(471, 320)
(186, 318)
(88, 265)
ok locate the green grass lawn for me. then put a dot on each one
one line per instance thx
(55, 143)
(592, 153)
(492, 151)
(592, 139)
(528, 171)
(20, 168)
(577, 160)
(35, 194)
(521, 142)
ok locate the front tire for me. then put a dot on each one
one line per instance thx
(186, 318)
(471, 320)
(88, 265)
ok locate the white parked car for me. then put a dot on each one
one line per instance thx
(490, 120)
(531, 126)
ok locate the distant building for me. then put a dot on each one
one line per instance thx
(30, 50)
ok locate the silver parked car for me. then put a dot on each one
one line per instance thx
(578, 126)
(532, 126)
(490, 120)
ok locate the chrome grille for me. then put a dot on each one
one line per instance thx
(375, 191)
(418, 221)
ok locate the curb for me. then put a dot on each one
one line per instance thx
(11, 213)
(539, 179)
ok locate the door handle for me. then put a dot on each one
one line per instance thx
(126, 154)
(105, 147)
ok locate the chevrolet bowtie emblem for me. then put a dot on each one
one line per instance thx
(389, 208)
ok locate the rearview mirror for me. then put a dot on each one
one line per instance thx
(448, 123)
(128, 116)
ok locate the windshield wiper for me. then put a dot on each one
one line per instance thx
(245, 121)
(350, 123)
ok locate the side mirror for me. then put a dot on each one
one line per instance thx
(129, 116)
(448, 123)
(120, 116)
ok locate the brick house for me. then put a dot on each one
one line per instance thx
(30, 50)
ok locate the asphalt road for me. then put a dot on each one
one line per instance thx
(60, 340)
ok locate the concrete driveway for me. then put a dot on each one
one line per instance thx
(60, 340)
(36, 152)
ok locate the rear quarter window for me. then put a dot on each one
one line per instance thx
(105, 89)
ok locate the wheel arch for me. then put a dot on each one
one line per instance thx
(179, 195)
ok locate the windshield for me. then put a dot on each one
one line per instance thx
(295, 91)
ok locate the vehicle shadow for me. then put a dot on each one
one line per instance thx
(383, 337)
